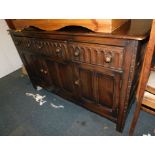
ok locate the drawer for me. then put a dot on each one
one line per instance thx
(25, 44)
(50, 48)
(19, 42)
(96, 54)
(46, 47)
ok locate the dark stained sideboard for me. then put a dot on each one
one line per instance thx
(99, 71)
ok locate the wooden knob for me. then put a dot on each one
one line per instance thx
(58, 50)
(28, 45)
(76, 82)
(77, 53)
(45, 72)
(42, 70)
(40, 46)
(108, 57)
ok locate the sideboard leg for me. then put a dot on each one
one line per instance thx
(119, 128)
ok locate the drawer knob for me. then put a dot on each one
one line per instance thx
(42, 70)
(58, 50)
(77, 82)
(108, 57)
(28, 45)
(76, 53)
(45, 72)
(40, 46)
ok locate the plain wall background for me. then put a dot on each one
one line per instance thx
(9, 58)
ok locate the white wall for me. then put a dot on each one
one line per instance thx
(9, 58)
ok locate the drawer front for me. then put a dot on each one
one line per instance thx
(50, 48)
(24, 44)
(103, 55)
(19, 42)
(46, 47)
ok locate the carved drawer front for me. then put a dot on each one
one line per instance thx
(19, 42)
(25, 44)
(103, 55)
(51, 48)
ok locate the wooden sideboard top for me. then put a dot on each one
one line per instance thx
(95, 25)
(136, 29)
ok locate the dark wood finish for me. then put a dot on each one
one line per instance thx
(102, 55)
(143, 80)
(94, 70)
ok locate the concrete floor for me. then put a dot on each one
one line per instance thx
(22, 115)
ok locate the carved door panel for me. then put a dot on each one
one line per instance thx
(66, 76)
(98, 88)
(54, 74)
(61, 74)
(37, 69)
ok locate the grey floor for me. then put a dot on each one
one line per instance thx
(22, 115)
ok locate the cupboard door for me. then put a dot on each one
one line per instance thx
(61, 76)
(66, 76)
(37, 69)
(106, 89)
(98, 89)
(86, 85)
(54, 74)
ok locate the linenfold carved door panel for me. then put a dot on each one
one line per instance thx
(98, 88)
